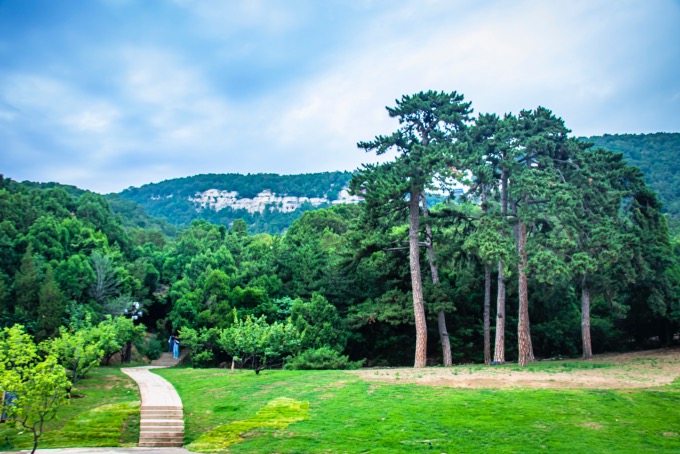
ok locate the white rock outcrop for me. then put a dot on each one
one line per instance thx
(217, 200)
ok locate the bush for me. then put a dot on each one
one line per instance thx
(151, 348)
(321, 358)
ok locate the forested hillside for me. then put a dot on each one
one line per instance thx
(567, 237)
(171, 199)
(658, 156)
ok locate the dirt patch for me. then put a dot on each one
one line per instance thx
(611, 371)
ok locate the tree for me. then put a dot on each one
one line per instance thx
(78, 351)
(256, 341)
(486, 161)
(114, 334)
(434, 271)
(431, 122)
(107, 283)
(39, 385)
(51, 308)
(540, 149)
(27, 288)
(320, 322)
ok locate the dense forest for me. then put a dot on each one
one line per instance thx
(169, 199)
(567, 240)
(657, 156)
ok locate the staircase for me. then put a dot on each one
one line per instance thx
(161, 422)
(161, 426)
(166, 360)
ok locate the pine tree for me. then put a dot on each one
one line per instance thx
(430, 125)
(51, 307)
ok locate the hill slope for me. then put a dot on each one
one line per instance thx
(658, 156)
(271, 202)
(267, 202)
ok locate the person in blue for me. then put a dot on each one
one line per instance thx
(175, 348)
(171, 344)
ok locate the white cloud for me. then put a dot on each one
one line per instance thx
(164, 112)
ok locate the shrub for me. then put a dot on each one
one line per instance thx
(320, 359)
(151, 348)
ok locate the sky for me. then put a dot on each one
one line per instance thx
(108, 94)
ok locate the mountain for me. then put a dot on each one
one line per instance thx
(658, 156)
(270, 202)
(267, 202)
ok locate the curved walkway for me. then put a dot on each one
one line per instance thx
(162, 423)
(109, 451)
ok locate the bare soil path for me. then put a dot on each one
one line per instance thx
(611, 371)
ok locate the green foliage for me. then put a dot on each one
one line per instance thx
(169, 199)
(322, 358)
(78, 351)
(51, 308)
(151, 348)
(342, 273)
(39, 385)
(115, 335)
(103, 411)
(203, 343)
(27, 288)
(258, 342)
(320, 322)
(656, 155)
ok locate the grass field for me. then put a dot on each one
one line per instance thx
(407, 410)
(104, 411)
(618, 403)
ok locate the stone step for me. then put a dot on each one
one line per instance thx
(161, 422)
(160, 407)
(160, 436)
(148, 434)
(160, 444)
(162, 413)
(168, 439)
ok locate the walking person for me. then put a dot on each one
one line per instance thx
(175, 348)
(171, 344)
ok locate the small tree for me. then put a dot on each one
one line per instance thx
(261, 344)
(78, 351)
(114, 335)
(39, 386)
(320, 322)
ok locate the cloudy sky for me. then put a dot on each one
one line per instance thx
(107, 94)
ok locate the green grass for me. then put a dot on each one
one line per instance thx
(349, 415)
(338, 412)
(104, 411)
(277, 414)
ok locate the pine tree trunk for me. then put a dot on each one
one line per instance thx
(585, 320)
(523, 333)
(444, 335)
(499, 351)
(487, 315)
(441, 317)
(416, 284)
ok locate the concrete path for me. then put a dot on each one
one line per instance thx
(109, 451)
(162, 423)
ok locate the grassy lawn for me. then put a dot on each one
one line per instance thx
(341, 412)
(331, 411)
(103, 411)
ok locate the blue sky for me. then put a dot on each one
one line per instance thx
(107, 94)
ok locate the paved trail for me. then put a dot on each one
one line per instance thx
(162, 423)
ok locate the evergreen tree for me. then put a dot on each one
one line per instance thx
(430, 124)
(51, 308)
(27, 288)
